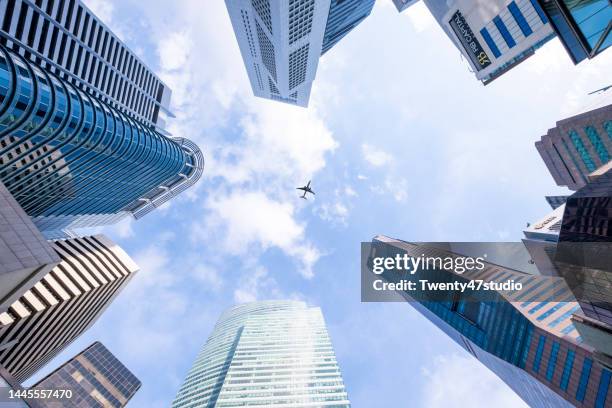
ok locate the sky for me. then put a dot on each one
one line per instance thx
(399, 139)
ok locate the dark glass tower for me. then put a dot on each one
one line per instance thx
(528, 339)
(71, 160)
(96, 378)
(583, 26)
(344, 15)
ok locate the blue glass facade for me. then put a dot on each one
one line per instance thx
(344, 15)
(65, 153)
(584, 26)
(96, 378)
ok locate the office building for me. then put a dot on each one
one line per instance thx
(81, 121)
(527, 338)
(402, 5)
(66, 39)
(25, 256)
(63, 304)
(273, 354)
(494, 36)
(578, 146)
(583, 26)
(281, 41)
(96, 378)
(71, 160)
(585, 256)
(556, 201)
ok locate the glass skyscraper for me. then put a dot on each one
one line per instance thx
(67, 156)
(81, 121)
(266, 354)
(96, 378)
(583, 26)
(281, 41)
(527, 339)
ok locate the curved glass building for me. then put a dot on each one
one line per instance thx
(72, 160)
(266, 354)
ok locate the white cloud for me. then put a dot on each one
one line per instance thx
(209, 276)
(174, 50)
(376, 157)
(249, 288)
(335, 212)
(348, 190)
(392, 186)
(102, 9)
(462, 381)
(256, 150)
(252, 220)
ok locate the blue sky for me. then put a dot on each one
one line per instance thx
(399, 139)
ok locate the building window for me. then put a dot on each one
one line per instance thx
(520, 19)
(552, 361)
(582, 150)
(598, 145)
(602, 390)
(608, 127)
(489, 40)
(567, 369)
(503, 30)
(538, 9)
(538, 356)
(584, 379)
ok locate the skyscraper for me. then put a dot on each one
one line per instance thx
(578, 146)
(96, 378)
(402, 5)
(63, 304)
(528, 338)
(272, 353)
(25, 256)
(281, 41)
(493, 35)
(70, 160)
(583, 26)
(67, 39)
(81, 134)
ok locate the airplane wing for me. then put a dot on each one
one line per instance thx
(301, 188)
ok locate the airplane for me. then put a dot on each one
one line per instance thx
(601, 90)
(306, 189)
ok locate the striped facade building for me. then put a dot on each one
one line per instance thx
(63, 304)
(578, 146)
(67, 39)
(526, 337)
(266, 354)
(493, 35)
(281, 41)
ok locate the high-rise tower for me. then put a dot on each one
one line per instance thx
(493, 35)
(67, 39)
(95, 377)
(583, 26)
(273, 353)
(63, 304)
(81, 129)
(281, 41)
(526, 337)
(578, 146)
